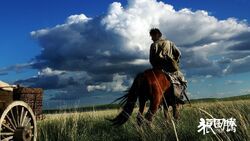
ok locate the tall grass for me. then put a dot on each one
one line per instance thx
(92, 126)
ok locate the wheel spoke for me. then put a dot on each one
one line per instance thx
(21, 116)
(16, 115)
(6, 134)
(8, 127)
(24, 118)
(8, 138)
(27, 123)
(13, 118)
(18, 119)
(9, 119)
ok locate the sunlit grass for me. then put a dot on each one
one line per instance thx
(92, 126)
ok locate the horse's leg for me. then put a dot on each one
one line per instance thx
(176, 111)
(142, 103)
(165, 110)
(166, 104)
(154, 104)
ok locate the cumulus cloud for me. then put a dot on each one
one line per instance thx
(118, 43)
(118, 84)
(238, 66)
(233, 82)
(51, 79)
(77, 19)
(49, 72)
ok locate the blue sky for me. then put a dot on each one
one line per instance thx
(42, 45)
(20, 18)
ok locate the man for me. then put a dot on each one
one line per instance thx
(166, 56)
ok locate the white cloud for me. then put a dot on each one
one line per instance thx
(117, 84)
(118, 42)
(245, 91)
(91, 88)
(197, 32)
(74, 19)
(238, 66)
(49, 72)
(208, 76)
(232, 82)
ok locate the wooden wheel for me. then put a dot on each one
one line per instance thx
(18, 123)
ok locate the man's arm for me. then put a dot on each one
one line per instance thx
(154, 57)
(151, 55)
(176, 52)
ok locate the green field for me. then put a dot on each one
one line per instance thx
(92, 126)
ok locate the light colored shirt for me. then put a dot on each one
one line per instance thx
(163, 49)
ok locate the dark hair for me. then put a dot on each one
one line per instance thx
(154, 31)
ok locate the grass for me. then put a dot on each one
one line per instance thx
(92, 126)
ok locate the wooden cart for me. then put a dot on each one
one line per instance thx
(18, 113)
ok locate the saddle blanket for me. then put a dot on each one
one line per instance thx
(179, 83)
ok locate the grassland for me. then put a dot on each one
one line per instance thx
(92, 126)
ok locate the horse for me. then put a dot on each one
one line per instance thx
(152, 85)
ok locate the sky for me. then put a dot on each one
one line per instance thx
(88, 52)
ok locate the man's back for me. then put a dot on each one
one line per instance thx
(164, 54)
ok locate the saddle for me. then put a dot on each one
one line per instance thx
(179, 85)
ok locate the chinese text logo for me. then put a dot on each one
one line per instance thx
(207, 125)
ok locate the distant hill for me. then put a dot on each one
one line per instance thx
(117, 106)
(84, 109)
(240, 97)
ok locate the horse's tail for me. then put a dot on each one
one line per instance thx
(128, 102)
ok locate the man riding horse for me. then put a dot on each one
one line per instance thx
(162, 85)
(164, 55)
